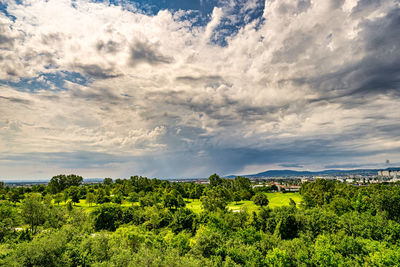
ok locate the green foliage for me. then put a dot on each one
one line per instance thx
(101, 196)
(107, 217)
(215, 180)
(107, 181)
(90, 198)
(261, 199)
(326, 253)
(184, 219)
(33, 211)
(278, 258)
(215, 199)
(336, 225)
(73, 193)
(60, 182)
(206, 242)
(287, 225)
(8, 219)
(44, 250)
(172, 201)
(318, 193)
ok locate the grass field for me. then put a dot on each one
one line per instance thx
(275, 200)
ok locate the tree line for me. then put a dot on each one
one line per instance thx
(145, 222)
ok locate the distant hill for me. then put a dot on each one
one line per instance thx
(291, 173)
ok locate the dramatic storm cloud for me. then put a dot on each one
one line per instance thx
(189, 89)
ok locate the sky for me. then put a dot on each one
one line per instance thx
(184, 88)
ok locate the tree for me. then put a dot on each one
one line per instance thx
(133, 197)
(61, 182)
(33, 211)
(287, 226)
(236, 197)
(73, 192)
(74, 180)
(215, 180)
(215, 199)
(184, 219)
(181, 201)
(260, 199)
(101, 196)
(58, 183)
(170, 201)
(15, 195)
(242, 184)
(107, 181)
(278, 257)
(58, 198)
(65, 196)
(117, 199)
(8, 218)
(47, 199)
(90, 198)
(108, 217)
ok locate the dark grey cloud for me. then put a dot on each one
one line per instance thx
(16, 100)
(6, 39)
(296, 7)
(67, 160)
(109, 47)
(365, 7)
(96, 71)
(204, 79)
(95, 94)
(349, 166)
(291, 165)
(376, 73)
(52, 39)
(6, 42)
(145, 52)
(226, 110)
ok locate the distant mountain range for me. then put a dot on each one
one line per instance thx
(291, 173)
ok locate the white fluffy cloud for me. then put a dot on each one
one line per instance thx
(306, 78)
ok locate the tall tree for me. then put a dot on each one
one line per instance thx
(215, 180)
(260, 199)
(33, 211)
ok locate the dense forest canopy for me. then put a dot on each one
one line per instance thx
(151, 222)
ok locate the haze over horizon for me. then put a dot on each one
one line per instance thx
(190, 88)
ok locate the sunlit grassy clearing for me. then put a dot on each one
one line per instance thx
(282, 199)
(275, 200)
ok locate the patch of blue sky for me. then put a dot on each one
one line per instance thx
(238, 13)
(154, 6)
(47, 81)
(3, 9)
(236, 17)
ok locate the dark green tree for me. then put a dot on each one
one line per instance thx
(260, 199)
(215, 180)
(73, 192)
(107, 217)
(215, 199)
(107, 181)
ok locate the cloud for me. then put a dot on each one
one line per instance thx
(96, 71)
(280, 83)
(142, 52)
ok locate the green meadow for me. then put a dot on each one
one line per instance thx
(275, 200)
